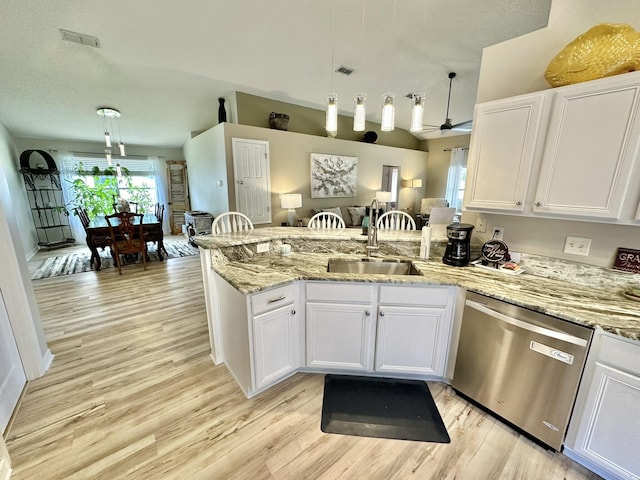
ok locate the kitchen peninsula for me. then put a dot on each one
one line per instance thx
(272, 315)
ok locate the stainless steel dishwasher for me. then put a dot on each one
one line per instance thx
(522, 365)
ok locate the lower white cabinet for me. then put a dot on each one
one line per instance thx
(401, 330)
(604, 433)
(276, 345)
(414, 329)
(339, 326)
(276, 334)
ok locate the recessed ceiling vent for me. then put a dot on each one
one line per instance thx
(345, 70)
(80, 38)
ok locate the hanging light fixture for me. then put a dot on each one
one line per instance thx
(110, 117)
(388, 112)
(332, 114)
(359, 112)
(107, 154)
(417, 112)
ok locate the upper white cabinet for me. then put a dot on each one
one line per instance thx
(590, 149)
(505, 144)
(568, 152)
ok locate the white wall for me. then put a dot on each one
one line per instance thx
(15, 282)
(517, 66)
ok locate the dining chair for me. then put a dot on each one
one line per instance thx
(326, 220)
(127, 236)
(156, 235)
(93, 241)
(396, 220)
(229, 222)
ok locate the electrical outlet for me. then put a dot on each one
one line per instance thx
(481, 224)
(498, 233)
(577, 246)
(262, 247)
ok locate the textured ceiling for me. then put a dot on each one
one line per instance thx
(164, 63)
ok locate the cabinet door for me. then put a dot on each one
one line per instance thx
(411, 340)
(609, 434)
(339, 336)
(505, 143)
(590, 149)
(276, 345)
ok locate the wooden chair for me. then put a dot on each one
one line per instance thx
(229, 222)
(326, 220)
(396, 220)
(157, 235)
(93, 241)
(127, 236)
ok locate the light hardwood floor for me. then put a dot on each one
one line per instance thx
(133, 394)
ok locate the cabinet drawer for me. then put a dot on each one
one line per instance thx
(621, 353)
(339, 292)
(404, 295)
(271, 299)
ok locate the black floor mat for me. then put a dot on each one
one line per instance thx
(382, 408)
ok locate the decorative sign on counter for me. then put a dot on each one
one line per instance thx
(628, 260)
(494, 252)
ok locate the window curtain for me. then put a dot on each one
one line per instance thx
(457, 165)
(67, 166)
(159, 169)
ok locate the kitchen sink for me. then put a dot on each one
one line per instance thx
(371, 266)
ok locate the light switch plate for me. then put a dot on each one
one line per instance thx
(481, 224)
(577, 246)
(262, 247)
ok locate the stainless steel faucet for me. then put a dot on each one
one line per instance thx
(372, 236)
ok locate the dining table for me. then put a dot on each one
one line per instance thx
(98, 235)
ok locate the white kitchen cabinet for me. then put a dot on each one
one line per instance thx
(604, 433)
(590, 149)
(339, 326)
(568, 152)
(414, 330)
(506, 144)
(277, 337)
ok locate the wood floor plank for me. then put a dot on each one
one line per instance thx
(133, 394)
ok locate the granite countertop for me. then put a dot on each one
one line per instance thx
(579, 293)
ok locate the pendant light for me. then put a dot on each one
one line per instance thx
(417, 112)
(331, 125)
(388, 112)
(110, 123)
(359, 112)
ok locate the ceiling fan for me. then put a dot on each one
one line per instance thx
(447, 125)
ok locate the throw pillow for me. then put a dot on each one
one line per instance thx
(335, 210)
(344, 213)
(357, 214)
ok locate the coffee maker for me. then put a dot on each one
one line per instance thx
(458, 251)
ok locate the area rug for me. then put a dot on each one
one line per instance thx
(381, 408)
(79, 262)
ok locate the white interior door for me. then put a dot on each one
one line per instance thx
(251, 177)
(12, 376)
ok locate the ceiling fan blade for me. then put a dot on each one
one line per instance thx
(463, 126)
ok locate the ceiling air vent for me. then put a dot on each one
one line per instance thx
(80, 38)
(346, 70)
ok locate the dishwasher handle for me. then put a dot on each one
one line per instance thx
(565, 337)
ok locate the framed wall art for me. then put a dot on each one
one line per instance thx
(333, 175)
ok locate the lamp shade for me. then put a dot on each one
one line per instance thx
(383, 197)
(291, 200)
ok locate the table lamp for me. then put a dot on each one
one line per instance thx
(291, 201)
(383, 199)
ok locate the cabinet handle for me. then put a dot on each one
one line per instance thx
(367, 313)
(538, 204)
(274, 300)
(293, 312)
(518, 203)
(382, 314)
(240, 182)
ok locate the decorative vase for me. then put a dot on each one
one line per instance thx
(222, 113)
(278, 121)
